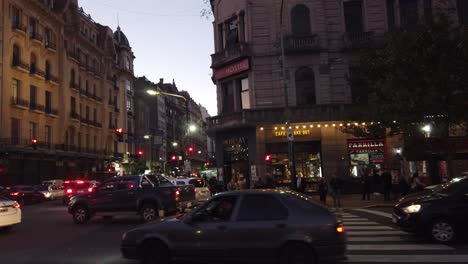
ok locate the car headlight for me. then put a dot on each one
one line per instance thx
(414, 208)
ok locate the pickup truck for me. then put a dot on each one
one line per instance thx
(150, 196)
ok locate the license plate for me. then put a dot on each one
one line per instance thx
(3, 210)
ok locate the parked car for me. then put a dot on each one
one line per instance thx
(72, 188)
(23, 194)
(53, 182)
(202, 191)
(149, 196)
(10, 213)
(439, 213)
(269, 226)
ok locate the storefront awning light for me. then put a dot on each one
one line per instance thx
(304, 126)
(348, 124)
(363, 123)
(276, 128)
(334, 125)
(297, 127)
(326, 125)
(318, 125)
(341, 125)
(311, 126)
(282, 128)
(261, 128)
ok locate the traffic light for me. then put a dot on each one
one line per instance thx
(34, 142)
(174, 158)
(190, 149)
(119, 132)
(139, 153)
(268, 158)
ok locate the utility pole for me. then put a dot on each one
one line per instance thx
(291, 163)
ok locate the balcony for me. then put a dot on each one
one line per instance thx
(239, 51)
(20, 103)
(51, 111)
(301, 43)
(19, 65)
(17, 27)
(86, 121)
(268, 116)
(51, 45)
(74, 115)
(37, 73)
(35, 36)
(358, 40)
(51, 78)
(74, 86)
(73, 56)
(33, 106)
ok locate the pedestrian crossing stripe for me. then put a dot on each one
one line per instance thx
(407, 258)
(383, 239)
(402, 247)
(346, 223)
(355, 219)
(380, 227)
(376, 233)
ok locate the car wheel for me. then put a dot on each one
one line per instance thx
(154, 252)
(148, 213)
(297, 253)
(81, 215)
(442, 231)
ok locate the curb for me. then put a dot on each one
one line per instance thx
(378, 205)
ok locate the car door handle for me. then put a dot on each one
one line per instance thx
(281, 226)
(222, 228)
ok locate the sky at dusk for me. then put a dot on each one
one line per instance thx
(170, 40)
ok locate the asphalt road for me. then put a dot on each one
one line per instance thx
(48, 235)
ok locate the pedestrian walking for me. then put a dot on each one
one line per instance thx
(213, 184)
(416, 184)
(336, 189)
(365, 183)
(386, 184)
(323, 190)
(300, 183)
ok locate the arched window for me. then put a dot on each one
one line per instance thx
(114, 80)
(87, 87)
(16, 55)
(300, 20)
(47, 70)
(33, 63)
(305, 86)
(72, 78)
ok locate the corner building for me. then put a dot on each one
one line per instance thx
(321, 42)
(66, 81)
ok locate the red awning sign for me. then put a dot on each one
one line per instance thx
(232, 69)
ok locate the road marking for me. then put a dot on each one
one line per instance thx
(377, 233)
(408, 258)
(380, 227)
(399, 247)
(346, 223)
(382, 239)
(387, 215)
(350, 216)
(355, 220)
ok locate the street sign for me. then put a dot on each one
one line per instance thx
(188, 166)
(290, 134)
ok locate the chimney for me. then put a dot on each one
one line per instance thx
(161, 80)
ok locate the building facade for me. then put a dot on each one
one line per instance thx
(263, 96)
(65, 81)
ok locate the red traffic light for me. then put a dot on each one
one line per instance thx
(119, 130)
(174, 158)
(190, 149)
(34, 141)
(140, 153)
(268, 157)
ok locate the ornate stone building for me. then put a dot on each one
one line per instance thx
(67, 82)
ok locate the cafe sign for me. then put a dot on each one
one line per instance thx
(297, 132)
(366, 151)
(232, 69)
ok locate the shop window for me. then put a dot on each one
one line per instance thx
(300, 20)
(353, 15)
(428, 14)
(15, 130)
(305, 86)
(261, 207)
(462, 6)
(408, 13)
(391, 14)
(16, 55)
(232, 32)
(245, 95)
(227, 90)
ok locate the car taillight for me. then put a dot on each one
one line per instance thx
(79, 182)
(66, 182)
(69, 190)
(340, 229)
(90, 189)
(14, 193)
(177, 194)
(16, 205)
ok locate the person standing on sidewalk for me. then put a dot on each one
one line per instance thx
(365, 183)
(323, 190)
(336, 186)
(386, 184)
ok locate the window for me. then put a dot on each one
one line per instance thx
(261, 207)
(110, 120)
(32, 27)
(72, 78)
(15, 17)
(87, 141)
(48, 102)
(220, 36)
(94, 89)
(33, 66)
(245, 96)
(79, 140)
(391, 14)
(305, 86)
(94, 115)
(114, 80)
(127, 63)
(232, 33)
(15, 131)
(359, 93)
(110, 96)
(128, 85)
(353, 16)
(48, 134)
(408, 13)
(32, 96)
(129, 104)
(47, 70)
(86, 87)
(218, 210)
(115, 102)
(16, 55)
(81, 110)
(87, 112)
(300, 20)
(73, 105)
(47, 36)
(462, 6)
(428, 15)
(32, 130)
(15, 89)
(227, 90)
(95, 142)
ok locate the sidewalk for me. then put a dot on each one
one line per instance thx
(352, 201)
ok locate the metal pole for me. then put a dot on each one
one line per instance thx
(291, 163)
(187, 143)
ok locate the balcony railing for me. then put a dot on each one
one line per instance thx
(19, 102)
(240, 50)
(18, 27)
(74, 115)
(52, 78)
(86, 121)
(36, 107)
(51, 45)
(358, 40)
(36, 36)
(72, 55)
(35, 71)
(301, 43)
(19, 64)
(51, 111)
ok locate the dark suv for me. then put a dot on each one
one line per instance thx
(438, 213)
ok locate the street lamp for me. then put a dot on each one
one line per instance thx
(427, 130)
(192, 128)
(175, 144)
(146, 136)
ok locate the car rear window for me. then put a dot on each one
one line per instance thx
(197, 183)
(261, 207)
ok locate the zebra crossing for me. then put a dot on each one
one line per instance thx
(372, 242)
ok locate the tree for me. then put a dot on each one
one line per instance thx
(419, 75)
(207, 11)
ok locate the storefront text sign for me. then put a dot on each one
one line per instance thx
(232, 69)
(366, 151)
(299, 132)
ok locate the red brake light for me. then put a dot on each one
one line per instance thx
(14, 194)
(340, 229)
(90, 189)
(16, 205)
(7, 188)
(79, 182)
(132, 186)
(177, 193)
(69, 190)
